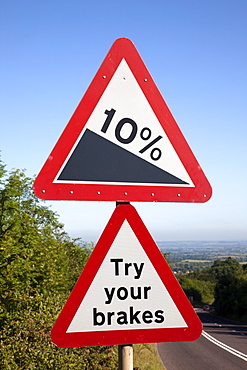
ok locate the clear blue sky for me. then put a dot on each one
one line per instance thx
(196, 52)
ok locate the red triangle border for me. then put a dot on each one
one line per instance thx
(110, 337)
(44, 186)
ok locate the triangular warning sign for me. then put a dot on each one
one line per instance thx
(126, 293)
(122, 142)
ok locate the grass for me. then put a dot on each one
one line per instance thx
(146, 357)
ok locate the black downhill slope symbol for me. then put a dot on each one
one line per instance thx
(96, 159)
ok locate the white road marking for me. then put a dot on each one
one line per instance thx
(224, 346)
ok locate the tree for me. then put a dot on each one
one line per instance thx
(202, 291)
(39, 265)
(230, 290)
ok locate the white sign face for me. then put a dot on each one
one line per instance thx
(126, 293)
(124, 117)
(122, 142)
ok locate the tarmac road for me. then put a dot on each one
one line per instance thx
(223, 345)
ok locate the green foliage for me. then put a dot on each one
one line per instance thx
(39, 265)
(230, 289)
(201, 291)
(225, 284)
(186, 266)
(26, 341)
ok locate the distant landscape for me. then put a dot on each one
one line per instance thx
(188, 256)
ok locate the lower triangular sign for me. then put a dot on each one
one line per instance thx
(126, 293)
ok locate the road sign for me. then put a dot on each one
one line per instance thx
(122, 142)
(126, 293)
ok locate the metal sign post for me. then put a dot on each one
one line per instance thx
(125, 357)
(125, 351)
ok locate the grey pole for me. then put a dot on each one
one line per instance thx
(125, 357)
(125, 351)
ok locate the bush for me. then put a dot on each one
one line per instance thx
(39, 265)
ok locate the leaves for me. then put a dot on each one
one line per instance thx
(230, 289)
(225, 284)
(39, 265)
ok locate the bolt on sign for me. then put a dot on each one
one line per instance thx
(122, 142)
(126, 293)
